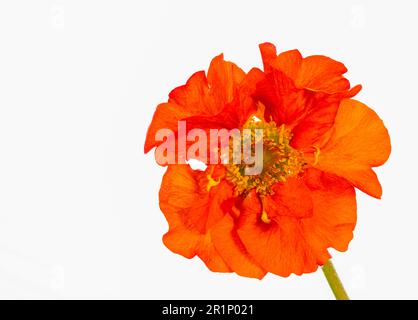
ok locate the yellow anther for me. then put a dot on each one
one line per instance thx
(281, 134)
(211, 182)
(265, 218)
(280, 160)
(316, 155)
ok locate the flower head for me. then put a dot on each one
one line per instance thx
(317, 146)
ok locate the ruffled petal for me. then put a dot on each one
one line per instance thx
(278, 246)
(236, 112)
(316, 73)
(191, 210)
(200, 223)
(358, 142)
(286, 200)
(335, 213)
(166, 116)
(319, 118)
(268, 55)
(302, 93)
(201, 96)
(283, 102)
(194, 96)
(289, 62)
(321, 73)
(224, 78)
(308, 113)
(208, 95)
(296, 237)
(232, 251)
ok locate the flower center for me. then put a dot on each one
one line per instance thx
(280, 160)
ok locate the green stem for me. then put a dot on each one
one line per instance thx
(334, 281)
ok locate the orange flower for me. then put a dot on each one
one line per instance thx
(318, 144)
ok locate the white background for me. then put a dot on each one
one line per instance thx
(79, 81)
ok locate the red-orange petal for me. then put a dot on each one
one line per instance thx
(194, 95)
(319, 118)
(224, 78)
(291, 198)
(232, 251)
(321, 73)
(236, 112)
(166, 116)
(199, 223)
(200, 96)
(335, 213)
(303, 93)
(315, 73)
(268, 55)
(283, 102)
(277, 247)
(191, 211)
(297, 243)
(358, 142)
(289, 62)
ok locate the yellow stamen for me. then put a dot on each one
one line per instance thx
(265, 218)
(316, 155)
(281, 134)
(211, 182)
(280, 160)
